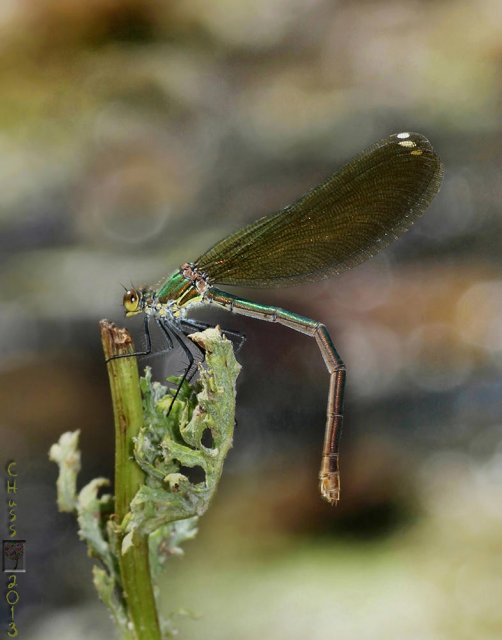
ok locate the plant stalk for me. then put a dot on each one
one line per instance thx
(128, 416)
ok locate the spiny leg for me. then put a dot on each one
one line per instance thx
(202, 355)
(190, 323)
(188, 373)
(148, 351)
(165, 331)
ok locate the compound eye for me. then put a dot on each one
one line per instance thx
(131, 301)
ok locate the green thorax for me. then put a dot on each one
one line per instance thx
(178, 289)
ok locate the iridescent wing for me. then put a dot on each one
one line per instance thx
(345, 220)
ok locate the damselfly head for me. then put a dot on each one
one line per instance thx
(133, 302)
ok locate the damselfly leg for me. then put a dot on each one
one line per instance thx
(148, 338)
(190, 370)
(188, 324)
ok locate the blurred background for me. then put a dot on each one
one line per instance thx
(133, 135)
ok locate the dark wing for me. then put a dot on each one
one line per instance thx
(345, 220)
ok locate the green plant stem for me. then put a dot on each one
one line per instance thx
(128, 416)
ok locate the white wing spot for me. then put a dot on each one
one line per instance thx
(403, 136)
(407, 143)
